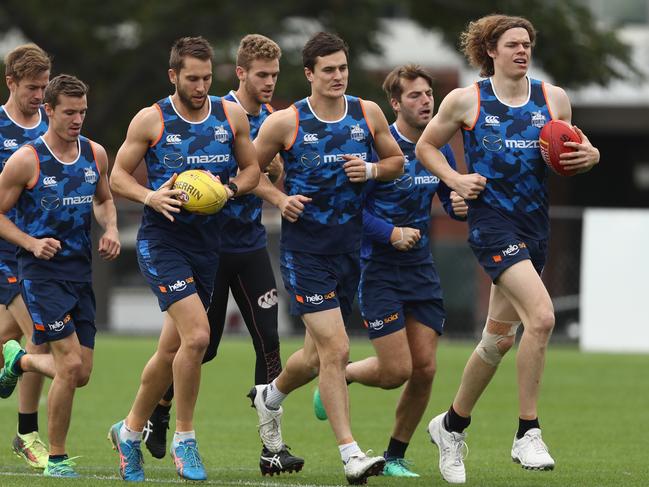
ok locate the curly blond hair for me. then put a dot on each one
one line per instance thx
(482, 36)
(256, 46)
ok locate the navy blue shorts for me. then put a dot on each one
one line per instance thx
(59, 309)
(174, 274)
(9, 285)
(389, 292)
(497, 252)
(320, 282)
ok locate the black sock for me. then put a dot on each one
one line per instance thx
(58, 458)
(454, 422)
(396, 449)
(169, 395)
(524, 425)
(161, 411)
(27, 423)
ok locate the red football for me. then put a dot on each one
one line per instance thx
(553, 135)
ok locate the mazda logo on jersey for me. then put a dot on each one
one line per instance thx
(173, 161)
(492, 143)
(310, 159)
(404, 182)
(50, 202)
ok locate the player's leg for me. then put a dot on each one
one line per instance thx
(254, 289)
(523, 286)
(27, 443)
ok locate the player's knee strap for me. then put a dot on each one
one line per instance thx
(488, 349)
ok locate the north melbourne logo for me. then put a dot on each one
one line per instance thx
(538, 119)
(89, 175)
(357, 133)
(221, 135)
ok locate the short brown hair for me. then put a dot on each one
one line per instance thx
(196, 47)
(256, 46)
(64, 84)
(392, 83)
(322, 44)
(482, 35)
(26, 61)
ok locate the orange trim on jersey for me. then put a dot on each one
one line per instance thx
(477, 115)
(94, 155)
(38, 167)
(367, 120)
(547, 102)
(162, 128)
(297, 127)
(269, 107)
(234, 132)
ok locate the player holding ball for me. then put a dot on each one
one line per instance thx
(177, 250)
(501, 118)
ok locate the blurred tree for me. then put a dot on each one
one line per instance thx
(121, 47)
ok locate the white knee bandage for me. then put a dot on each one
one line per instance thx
(488, 349)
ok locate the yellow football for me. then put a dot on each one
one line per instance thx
(203, 193)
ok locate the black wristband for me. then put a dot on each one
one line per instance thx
(233, 187)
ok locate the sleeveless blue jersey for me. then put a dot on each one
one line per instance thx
(332, 222)
(406, 202)
(184, 145)
(13, 136)
(503, 146)
(59, 205)
(242, 228)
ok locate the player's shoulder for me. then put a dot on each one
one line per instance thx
(147, 123)
(284, 118)
(463, 97)
(558, 101)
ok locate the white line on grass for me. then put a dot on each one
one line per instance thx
(247, 483)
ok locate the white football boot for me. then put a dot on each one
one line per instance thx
(452, 450)
(270, 430)
(359, 467)
(531, 452)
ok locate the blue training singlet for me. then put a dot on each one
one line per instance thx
(406, 202)
(59, 205)
(503, 146)
(242, 229)
(332, 222)
(12, 137)
(184, 145)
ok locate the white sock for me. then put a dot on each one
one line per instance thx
(183, 436)
(273, 397)
(348, 450)
(125, 433)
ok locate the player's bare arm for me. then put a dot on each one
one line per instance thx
(104, 208)
(275, 134)
(20, 172)
(144, 130)
(248, 176)
(585, 156)
(458, 109)
(390, 165)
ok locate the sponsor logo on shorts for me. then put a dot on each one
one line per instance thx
(58, 325)
(380, 323)
(316, 298)
(39, 326)
(174, 139)
(12, 279)
(510, 251)
(179, 285)
(268, 300)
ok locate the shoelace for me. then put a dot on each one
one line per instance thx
(458, 449)
(64, 466)
(190, 455)
(134, 459)
(537, 443)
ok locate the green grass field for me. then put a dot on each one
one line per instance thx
(595, 411)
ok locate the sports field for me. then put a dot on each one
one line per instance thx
(595, 412)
